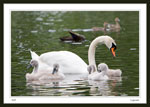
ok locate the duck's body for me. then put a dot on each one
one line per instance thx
(104, 29)
(74, 37)
(114, 27)
(98, 29)
(109, 72)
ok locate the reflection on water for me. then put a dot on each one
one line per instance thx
(73, 85)
(40, 32)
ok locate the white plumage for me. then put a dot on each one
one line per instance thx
(42, 71)
(109, 72)
(70, 63)
(95, 75)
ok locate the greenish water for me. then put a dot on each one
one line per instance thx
(40, 32)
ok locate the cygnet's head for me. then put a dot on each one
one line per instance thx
(91, 68)
(34, 63)
(102, 67)
(117, 19)
(55, 68)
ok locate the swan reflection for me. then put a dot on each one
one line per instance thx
(104, 87)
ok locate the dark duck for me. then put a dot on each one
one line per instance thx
(75, 37)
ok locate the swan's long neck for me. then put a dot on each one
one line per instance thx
(92, 48)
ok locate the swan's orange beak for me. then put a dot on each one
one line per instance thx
(113, 51)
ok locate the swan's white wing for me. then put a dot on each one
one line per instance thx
(68, 61)
(34, 55)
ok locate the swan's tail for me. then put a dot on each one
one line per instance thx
(34, 55)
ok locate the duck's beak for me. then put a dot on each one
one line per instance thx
(113, 51)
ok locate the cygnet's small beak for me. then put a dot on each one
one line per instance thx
(29, 66)
(113, 51)
(89, 72)
(89, 69)
(99, 70)
(54, 70)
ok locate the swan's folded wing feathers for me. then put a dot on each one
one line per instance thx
(34, 55)
(68, 61)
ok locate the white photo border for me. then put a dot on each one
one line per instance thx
(142, 98)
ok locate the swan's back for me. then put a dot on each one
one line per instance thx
(68, 61)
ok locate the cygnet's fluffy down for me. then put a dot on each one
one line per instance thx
(109, 72)
(43, 73)
(55, 75)
(96, 76)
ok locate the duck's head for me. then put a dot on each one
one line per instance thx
(102, 67)
(105, 24)
(117, 19)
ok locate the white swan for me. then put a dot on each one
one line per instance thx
(44, 72)
(96, 76)
(72, 63)
(109, 72)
